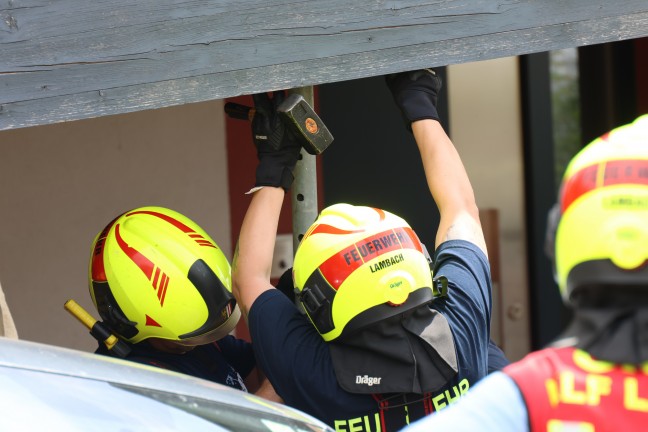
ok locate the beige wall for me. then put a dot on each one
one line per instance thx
(60, 184)
(486, 127)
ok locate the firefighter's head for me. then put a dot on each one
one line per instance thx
(358, 265)
(154, 273)
(598, 231)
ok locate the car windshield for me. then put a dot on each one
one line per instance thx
(45, 400)
(231, 417)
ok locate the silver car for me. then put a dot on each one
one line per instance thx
(47, 388)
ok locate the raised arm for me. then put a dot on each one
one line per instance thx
(253, 256)
(278, 152)
(415, 94)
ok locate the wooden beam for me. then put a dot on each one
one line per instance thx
(75, 59)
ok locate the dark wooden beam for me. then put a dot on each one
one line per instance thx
(75, 59)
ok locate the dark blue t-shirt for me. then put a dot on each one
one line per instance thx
(298, 363)
(226, 361)
(496, 358)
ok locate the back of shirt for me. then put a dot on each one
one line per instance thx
(298, 363)
(226, 361)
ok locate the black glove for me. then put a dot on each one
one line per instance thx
(415, 93)
(277, 147)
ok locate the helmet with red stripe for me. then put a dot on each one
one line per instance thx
(155, 273)
(601, 221)
(359, 265)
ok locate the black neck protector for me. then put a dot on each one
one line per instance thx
(616, 334)
(413, 352)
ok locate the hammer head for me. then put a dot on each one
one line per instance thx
(305, 123)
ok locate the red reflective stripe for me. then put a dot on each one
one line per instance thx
(161, 287)
(98, 269)
(145, 264)
(205, 243)
(164, 290)
(427, 403)
(414, 238)
(155, 277)
(176, 223)
(610, 173)
(338, 267)
(382, 403)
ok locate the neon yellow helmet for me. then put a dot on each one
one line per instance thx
(359, 265)
(601, 238)
(155, 273)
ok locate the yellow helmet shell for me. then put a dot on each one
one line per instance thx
(357, 265)
(604, 205)
(155, 273)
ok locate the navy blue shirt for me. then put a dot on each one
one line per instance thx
(298, 363)
(496, 358)
(226, 361)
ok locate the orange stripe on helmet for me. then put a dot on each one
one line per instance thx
(338, 267)
(328, 229)
(381, 213)
(611, 173)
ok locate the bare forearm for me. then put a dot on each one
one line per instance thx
(253, 256)
(268, 392)
(449, 184)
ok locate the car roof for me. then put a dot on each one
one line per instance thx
(25, 363)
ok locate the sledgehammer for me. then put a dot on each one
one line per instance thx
(299, 116)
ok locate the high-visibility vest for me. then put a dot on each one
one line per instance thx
(566, 390)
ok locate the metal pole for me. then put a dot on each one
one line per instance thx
(304, 188)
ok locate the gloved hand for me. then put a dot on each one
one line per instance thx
(277, 147)
(415, 94)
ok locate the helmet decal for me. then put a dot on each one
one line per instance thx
(162, 287)
(328, 229)
(321, 228)
(151, 322)
(616, 172)
(147, 266)
(97, 260)
(339, 266)
(198, 238)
